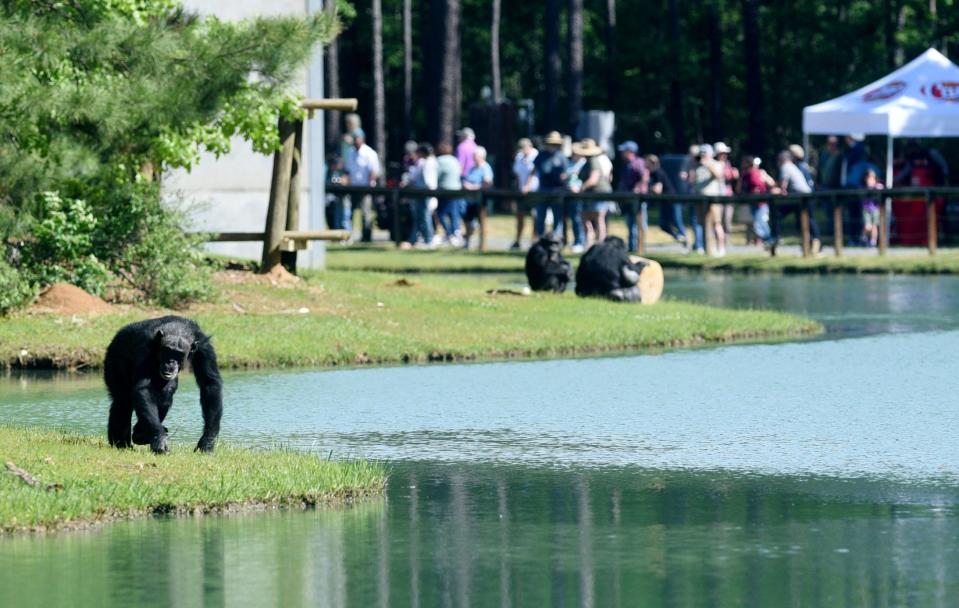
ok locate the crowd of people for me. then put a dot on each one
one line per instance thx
(558, 165)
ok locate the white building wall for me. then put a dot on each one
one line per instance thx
(231, 193)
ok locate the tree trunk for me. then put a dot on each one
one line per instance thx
(449, 89)
(432, 20)
(612, 74)
(715, 30)
(333, 119)
(552, 67)
(494, 52)
(575, 74)
(379, 88)
(408, 69)
(675, 110)
(756, 137)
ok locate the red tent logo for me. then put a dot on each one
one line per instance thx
(886, 91)
(943, 91)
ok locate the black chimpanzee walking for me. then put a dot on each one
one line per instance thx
(141, 370)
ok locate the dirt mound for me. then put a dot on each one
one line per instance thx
(279, 275)
(65, 299)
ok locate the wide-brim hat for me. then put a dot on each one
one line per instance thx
(797, 151)
(553, 138)
(587, 147)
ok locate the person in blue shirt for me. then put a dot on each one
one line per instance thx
(479, 177)
(550, 169)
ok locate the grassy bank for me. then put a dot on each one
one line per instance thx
(380, 259)
(82, 481)
(350, 318)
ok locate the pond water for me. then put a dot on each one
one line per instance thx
(819, 473)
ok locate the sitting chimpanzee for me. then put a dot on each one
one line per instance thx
(546, 270)
(606, 270)
(141, 368)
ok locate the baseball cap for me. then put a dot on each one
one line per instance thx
(629, 145)
(359, 133)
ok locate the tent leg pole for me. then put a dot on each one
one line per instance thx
(887, 206)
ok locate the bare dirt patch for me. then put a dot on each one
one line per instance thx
(64, 299)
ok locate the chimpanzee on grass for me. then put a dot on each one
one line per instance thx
(546, 270)
(605, 270)
(141, 368)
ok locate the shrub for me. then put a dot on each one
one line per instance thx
(15, 290)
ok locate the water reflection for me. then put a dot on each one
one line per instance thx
(517, 536)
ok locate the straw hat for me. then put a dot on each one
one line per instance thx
(553, 138)
(587, 147)
(797, 151)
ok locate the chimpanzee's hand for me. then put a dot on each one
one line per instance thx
(205, 445)
(159, 444)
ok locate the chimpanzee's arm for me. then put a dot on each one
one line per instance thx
(211, 388)
(145, 405)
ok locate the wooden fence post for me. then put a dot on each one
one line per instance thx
(640, 229)
(883, 229)
(288, 258)
(482, 223)
(706, 221)
(395, 208)
(837, 230)
(279, 197)
(932, 226)
(804, 228)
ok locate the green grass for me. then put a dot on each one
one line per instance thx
(388, 259)
(944, 262)
(94, 482)
(365, 318)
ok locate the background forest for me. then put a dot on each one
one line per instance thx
(674, 71)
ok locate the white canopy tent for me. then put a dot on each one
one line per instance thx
(920, 99)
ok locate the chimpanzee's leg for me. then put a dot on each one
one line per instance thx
(118, 427)
(211, 394)
(145, 404)
(142, 434)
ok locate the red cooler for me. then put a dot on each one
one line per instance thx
(909, 215)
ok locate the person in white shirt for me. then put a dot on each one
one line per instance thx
(423, 175)
(524, 169)
(363, 169)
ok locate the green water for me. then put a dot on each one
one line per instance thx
(822, 473)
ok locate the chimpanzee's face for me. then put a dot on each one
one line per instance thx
(173, 351)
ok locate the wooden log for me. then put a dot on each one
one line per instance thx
(932, 227)
(883, 228)
(482, 224)
(338, 105)
(287, 256)
(804, 228)
(651, 279)
(279, 196)
(837, 230)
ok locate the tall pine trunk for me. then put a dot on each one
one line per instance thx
(432, 20)
(449, 89)
(407, 69)
(552, 66)
(379, 88)
(494, 52)
(333, 120)
(715, 29)
(675, 110)
(612, 59)
(575, 74)
(756, 136)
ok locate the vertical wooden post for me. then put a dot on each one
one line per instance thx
(395, 208)
(640, 231)
(837, 230)
(482, 223)
(932, 227)
(288, 258)
(279, 196)
(567, 222)
(883, 229)
(804, 228)
(709, 233)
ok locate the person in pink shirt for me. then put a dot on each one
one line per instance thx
(466, 149)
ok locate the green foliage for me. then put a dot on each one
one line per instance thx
(15, 290)
(62, 250)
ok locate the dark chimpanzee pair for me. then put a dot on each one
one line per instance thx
(546, 269)
(605, 270)
(141, 370)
